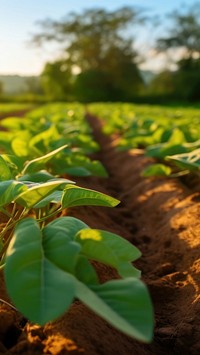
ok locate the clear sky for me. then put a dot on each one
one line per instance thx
(18, 21)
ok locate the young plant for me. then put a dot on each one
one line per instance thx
(47, 258)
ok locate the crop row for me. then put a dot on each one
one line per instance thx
(169, 135)
(47, 258)
(13, 107)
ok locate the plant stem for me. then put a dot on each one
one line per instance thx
(50, 215)
(8, 304)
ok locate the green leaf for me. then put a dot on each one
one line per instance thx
(35, 194)
(39, 289)
(20, 145)
(14, 123)
(38, 163)
(68, 225)
(40, 176)
(78, 196)
(10, 190)
(77, 171)
(15, 163)
(85, 272)
(125, 304)
(156, 170)
(110, 249)
(41, 141)
(5, 173)
(55, 197)
(60, 248)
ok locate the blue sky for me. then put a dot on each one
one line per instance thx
(18, 20)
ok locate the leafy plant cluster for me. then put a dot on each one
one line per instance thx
(49, 128)
(169, 135)
(13, 107)
(47, 257)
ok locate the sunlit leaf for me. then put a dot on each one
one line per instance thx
(78, 196)
(39, 289)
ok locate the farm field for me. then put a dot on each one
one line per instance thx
(146, 157)
(12, 108)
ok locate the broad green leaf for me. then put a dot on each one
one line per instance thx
(60, 248)
(38, 163)
(85, 272)
(14, 162)
(128, 270)
(40, 176)
(86, 168)
(41, 140)
(78, 196)
(125, 304)
(55, 198)
(20, 143)
(40, 290)
(156, 170)
(108, 248)
(164, 149)
(5, 140)
(177, 136)
(5, 173)
(10, 190)
(70, 226)
(35, 194)
(14, 123)
(77, 171)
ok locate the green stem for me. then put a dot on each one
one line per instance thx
(10, 225)
(3, 210)
(50, 215)
(3, 250)
(180, 173)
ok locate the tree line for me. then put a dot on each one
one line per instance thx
(98, 60)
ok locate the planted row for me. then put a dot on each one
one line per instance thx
(47, 259)
(46, 129)
(169, 135)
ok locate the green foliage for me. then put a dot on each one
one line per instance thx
(169, 135)
(58, 130)
(47, 258)
(184, 34)
(7, 108)
(41, 265)
(156, 170)
(95, 47)
(57, 80)
(77, 196)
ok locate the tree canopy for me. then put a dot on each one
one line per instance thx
(184, 32)
(96, 43)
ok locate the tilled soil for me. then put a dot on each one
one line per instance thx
(161, 218)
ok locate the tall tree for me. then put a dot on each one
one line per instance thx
(56, 81)
(97, 41)
(185, 34)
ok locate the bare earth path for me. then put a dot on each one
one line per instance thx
(160, 217)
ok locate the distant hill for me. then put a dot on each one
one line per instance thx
(13, 84)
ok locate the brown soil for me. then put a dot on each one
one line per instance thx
(160, 217)
(14, 113)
